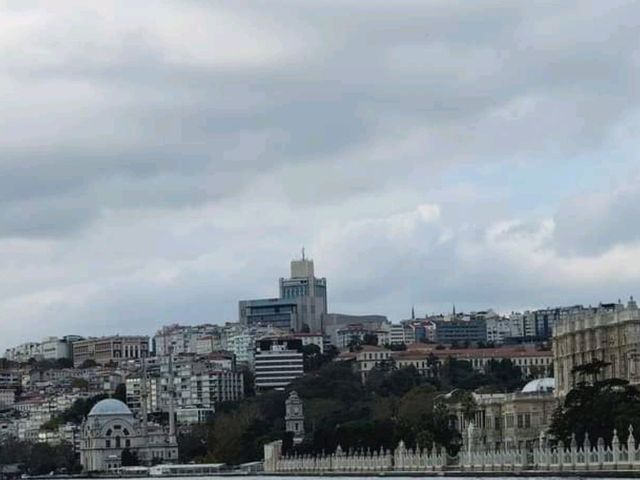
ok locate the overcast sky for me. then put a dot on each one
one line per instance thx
(160, 160)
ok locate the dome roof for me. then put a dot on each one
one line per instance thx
(110, 406)
(540, 385)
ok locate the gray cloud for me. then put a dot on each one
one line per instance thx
(156, 170)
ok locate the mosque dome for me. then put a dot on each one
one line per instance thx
(540, 385)
(109, 406)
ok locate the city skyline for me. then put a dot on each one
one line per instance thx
(482, 155)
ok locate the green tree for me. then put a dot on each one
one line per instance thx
(597, 407)
(129, 458)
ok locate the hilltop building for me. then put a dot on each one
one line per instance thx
(112, 349)
(300, 307)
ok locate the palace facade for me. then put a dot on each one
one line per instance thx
(609, 332)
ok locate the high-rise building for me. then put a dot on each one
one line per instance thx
(278, 361)
(300, 307)
(309, 293)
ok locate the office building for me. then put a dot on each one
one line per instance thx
(113, 349)
(461, 331)
(278, 361)
(300, 307)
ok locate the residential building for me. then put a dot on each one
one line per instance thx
(420, 330)
(179, 339)
(358, 333)
(54, 348)
(397, 334)
(106, 350)
(24, 352)
(278, 361)
(332, 322)
(366, 358)
(498, 329)
(10, 379)
(7, 398)
(194, 415)
(608, 333)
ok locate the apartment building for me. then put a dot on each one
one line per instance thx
(277, 362)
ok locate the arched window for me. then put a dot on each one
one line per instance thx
(109, 432)
(117, 442)
(125, 431)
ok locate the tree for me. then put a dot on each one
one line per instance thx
(312, 357)
(370, 339)
(597, 407)
(129, 458)
(121, 393)
(88, 363)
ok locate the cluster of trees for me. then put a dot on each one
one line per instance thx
(393, 405)
(39, 458)
(596, 407)
(80, 409)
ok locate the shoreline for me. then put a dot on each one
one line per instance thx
(631, 474)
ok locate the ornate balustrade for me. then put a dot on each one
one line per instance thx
(618, 456)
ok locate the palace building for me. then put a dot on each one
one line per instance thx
(609, 332)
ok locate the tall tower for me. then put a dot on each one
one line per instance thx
(294, 417)
(309, 293)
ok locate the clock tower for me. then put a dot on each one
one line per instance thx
(294, 417)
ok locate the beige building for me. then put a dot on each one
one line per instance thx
(609, 332)
(508, 420)
(105, 350)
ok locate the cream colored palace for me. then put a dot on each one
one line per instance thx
(608, 332)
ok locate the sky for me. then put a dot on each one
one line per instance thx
(161, 160)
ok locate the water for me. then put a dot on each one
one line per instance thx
(399, 477)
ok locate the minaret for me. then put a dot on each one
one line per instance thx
(413, 313)
(172, 416)
(144, 396)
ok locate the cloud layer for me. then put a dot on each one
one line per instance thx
(159, 162)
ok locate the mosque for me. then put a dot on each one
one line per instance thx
(111, 428)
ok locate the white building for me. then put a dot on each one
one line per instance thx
(111, 427)
(7, 398)
(24, 352)
(54, 348)
(183, 339)
(277, 365)
(397, 334)
(498, 329)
